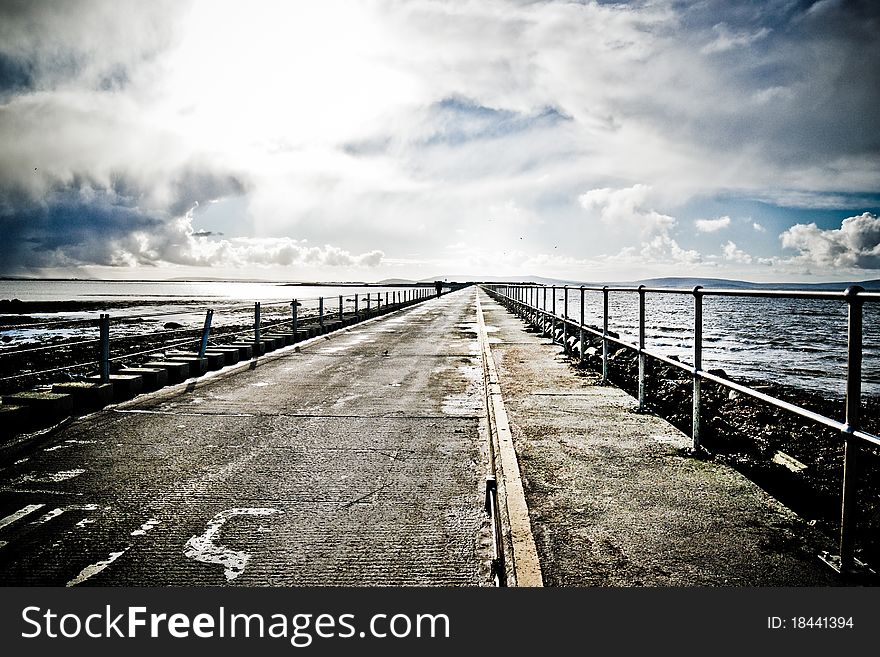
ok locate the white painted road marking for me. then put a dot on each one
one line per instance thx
(21, 513)
(94, 569)
(202, 548)
(54, 513)
(147, 526)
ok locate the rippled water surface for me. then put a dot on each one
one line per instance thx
(798, 342)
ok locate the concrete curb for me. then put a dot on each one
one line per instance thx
(521, 554)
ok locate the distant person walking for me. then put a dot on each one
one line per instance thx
(438, 285)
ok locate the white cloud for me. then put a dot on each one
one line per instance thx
(627, 208)
(856, 244)
(726, 40)
(712, 225)
(733, 253)
(758, 227)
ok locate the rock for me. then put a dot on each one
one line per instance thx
(173, 325)
(721, 374)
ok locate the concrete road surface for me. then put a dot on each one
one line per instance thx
(355, 459)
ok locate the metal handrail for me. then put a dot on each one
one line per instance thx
(523, 299)
(339, 305)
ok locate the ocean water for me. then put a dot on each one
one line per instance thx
(798, 342)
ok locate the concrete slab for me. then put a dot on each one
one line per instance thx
(125, 386)
(614, 498)
(86, 395)
(13, 418)
(40, 402)
(245, 349)
(215, 361)
(197, 366)
(381, 488)
(153, 377)
(177, 371)
(284, 338)
(231, 354)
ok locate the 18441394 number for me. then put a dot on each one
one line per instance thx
(810, 622)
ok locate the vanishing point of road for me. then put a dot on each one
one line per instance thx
(356, 458)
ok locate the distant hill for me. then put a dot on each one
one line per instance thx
(746, 285)
(396, 281)
(671, 282)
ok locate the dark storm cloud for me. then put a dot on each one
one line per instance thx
(797, 81)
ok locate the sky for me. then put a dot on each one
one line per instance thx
(365, 140)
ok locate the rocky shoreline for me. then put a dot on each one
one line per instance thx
(798, 461)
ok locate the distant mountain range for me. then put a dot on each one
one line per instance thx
(674, 282)
(667, 282)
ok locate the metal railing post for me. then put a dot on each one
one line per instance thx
(293, 314)
(583, 333)
(340, 307)
(544, 313)
(534, 305)
(356, 309)
(697, 412)
(643, 359)
(368, 303)
(553, 321)
(206, 331)
(256, 329)
(565, 319)
(321, 311)
(104, 352)
(605, 346)
(851, 445)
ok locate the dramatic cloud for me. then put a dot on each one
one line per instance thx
(855, 244)
(712, 225)
(402, 127)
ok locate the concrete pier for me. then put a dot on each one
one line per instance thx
(613, 496)
(367, 456)
(357, 458)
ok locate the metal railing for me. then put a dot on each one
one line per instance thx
(524, 300)
(321, 310)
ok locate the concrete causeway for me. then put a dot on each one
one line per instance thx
(615, 501)
(359, 458)
(356, 458)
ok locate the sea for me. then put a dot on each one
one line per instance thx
(796, 342)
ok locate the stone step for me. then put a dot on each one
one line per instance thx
(13, 418)
(177, 371)
(154, 377)
(197, 366)
(40, 402)
(250, 345)
(231, 355)
(215, 360)
(245, 351)
(125, 386)
(86, 395)
(283, 339)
